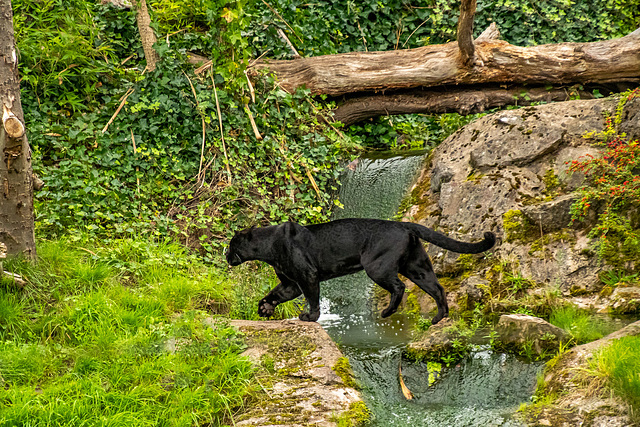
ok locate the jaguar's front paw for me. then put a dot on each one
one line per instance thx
(265, 309)
(309, 317)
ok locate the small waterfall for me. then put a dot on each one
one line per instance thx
(483, 390)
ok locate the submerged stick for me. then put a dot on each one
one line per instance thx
(405, 390)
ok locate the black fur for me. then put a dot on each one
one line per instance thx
(302, 257)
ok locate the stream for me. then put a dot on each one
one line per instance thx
(484, 389)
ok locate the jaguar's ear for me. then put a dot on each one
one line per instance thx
(247, 233)
(290, 229)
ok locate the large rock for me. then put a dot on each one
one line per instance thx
(508, 172)
(312, 382)
(520, 330)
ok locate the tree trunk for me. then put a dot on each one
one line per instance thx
(497, 62)
(465, 31)
(147, 35)
(16, 180)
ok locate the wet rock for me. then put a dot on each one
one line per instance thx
(312, 383)
(440, 340)
(625, 300)
(471, 292)
(520, 330)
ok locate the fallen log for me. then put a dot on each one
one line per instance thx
(463, 101)
(497, 62)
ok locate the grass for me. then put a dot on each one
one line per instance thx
(582, 326)
(619, 365)
(119, 333)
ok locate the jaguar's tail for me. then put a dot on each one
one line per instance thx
(450, 244)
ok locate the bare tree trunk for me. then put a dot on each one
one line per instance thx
(147, 35)
(465, 31)
(16, 178)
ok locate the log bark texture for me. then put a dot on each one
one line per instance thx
(450, 100)
(465, 31)
(16, 176)
(437, 65)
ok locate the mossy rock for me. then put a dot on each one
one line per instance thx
(516, 226)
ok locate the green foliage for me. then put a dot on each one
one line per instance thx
(145, 174)
(119, 333)
(583, 326)
(62, 54)
(409, 131)
(325, 27)
(612, 189)
(618, 364)
(79, 60)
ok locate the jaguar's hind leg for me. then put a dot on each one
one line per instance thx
(386, 276)
(419, 270)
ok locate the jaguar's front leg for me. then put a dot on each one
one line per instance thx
(285, 291)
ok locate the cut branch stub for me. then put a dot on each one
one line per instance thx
(12, 124)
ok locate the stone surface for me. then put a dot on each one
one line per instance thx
(517, 161)
(551, 216)
(435, 343)
(307, 391)
(625, 300)
(521, 329)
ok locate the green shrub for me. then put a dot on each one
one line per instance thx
(612, 190)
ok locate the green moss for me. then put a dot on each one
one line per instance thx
(342, 368)
(358, 415)
(467, 262)
(283, 345)
(412, 306)
(434, 369)
(551, 183)
(516, 226)
(475, 177)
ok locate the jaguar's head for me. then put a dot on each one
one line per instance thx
(240, 248)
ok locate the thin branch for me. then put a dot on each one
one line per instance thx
(193, 90)
(283, 20)
(284, 37)
(253, 123)
(124, 99)
(224, 147)
(135, 154)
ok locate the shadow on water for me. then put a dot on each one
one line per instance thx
(483, 390)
